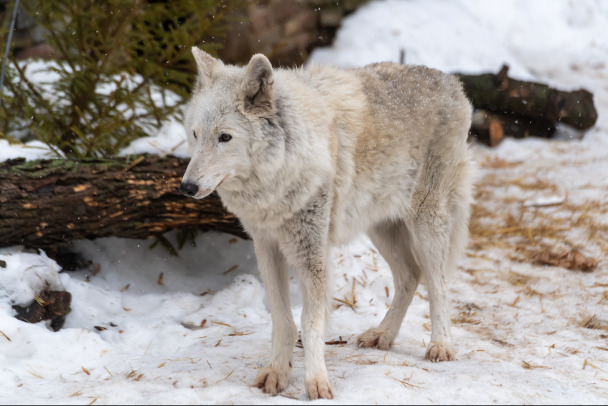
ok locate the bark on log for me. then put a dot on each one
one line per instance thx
(46, 203)
(539, 102)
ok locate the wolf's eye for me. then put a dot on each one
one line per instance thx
(224, 137)
(194, 133)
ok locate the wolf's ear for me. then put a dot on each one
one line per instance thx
(257, 86)
(206, 65)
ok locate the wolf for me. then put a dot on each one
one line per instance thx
(308, 159)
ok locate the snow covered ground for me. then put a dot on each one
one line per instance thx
(195, 329)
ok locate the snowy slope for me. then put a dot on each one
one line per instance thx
(524, 333)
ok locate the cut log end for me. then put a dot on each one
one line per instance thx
(491, 128)
(496, 132)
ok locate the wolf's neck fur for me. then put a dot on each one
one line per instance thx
(284, 177)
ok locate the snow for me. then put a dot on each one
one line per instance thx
(518, 327)
(30, 150)
(25, 275)
(170, 140)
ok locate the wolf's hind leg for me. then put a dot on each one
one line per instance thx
(441, 230)
(393, 242)
(273, 269)
(435, 256)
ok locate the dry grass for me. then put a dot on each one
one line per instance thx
(501, 219)
(406, 384)
(507, 226)
(225, 378)
(498, 163)
(527, 365)
(466, 318)
(5, 336)
(352, 302)
(593, 322)
(467, 314)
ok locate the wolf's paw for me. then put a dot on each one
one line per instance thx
(440, 351)
(375, 337)
(319, 388)
(272, 380)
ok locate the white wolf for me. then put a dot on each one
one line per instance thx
(308, 158)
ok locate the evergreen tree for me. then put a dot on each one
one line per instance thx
(123, 67)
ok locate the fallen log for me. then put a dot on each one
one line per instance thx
(491, 128)
(498, 93)
(49, 203)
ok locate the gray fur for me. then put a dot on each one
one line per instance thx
(319, 155)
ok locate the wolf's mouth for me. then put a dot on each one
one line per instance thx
(222, 181)
(206, 192)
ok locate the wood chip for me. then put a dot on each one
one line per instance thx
(336, 342)
(573, 260)
(191, 326)
(232, 268)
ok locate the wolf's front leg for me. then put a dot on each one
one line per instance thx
(305, 238)
(314, 288)
(273, 268)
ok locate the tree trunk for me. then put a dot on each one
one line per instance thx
(46, 203)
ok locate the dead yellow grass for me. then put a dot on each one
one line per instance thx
(500, 221)
(595, 323)
(464, 317)
(527, 365)
(498, 163)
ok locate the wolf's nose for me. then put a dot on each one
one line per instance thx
(189, 189)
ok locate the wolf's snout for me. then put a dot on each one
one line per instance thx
(189, 189)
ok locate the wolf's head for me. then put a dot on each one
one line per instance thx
(231, 124)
